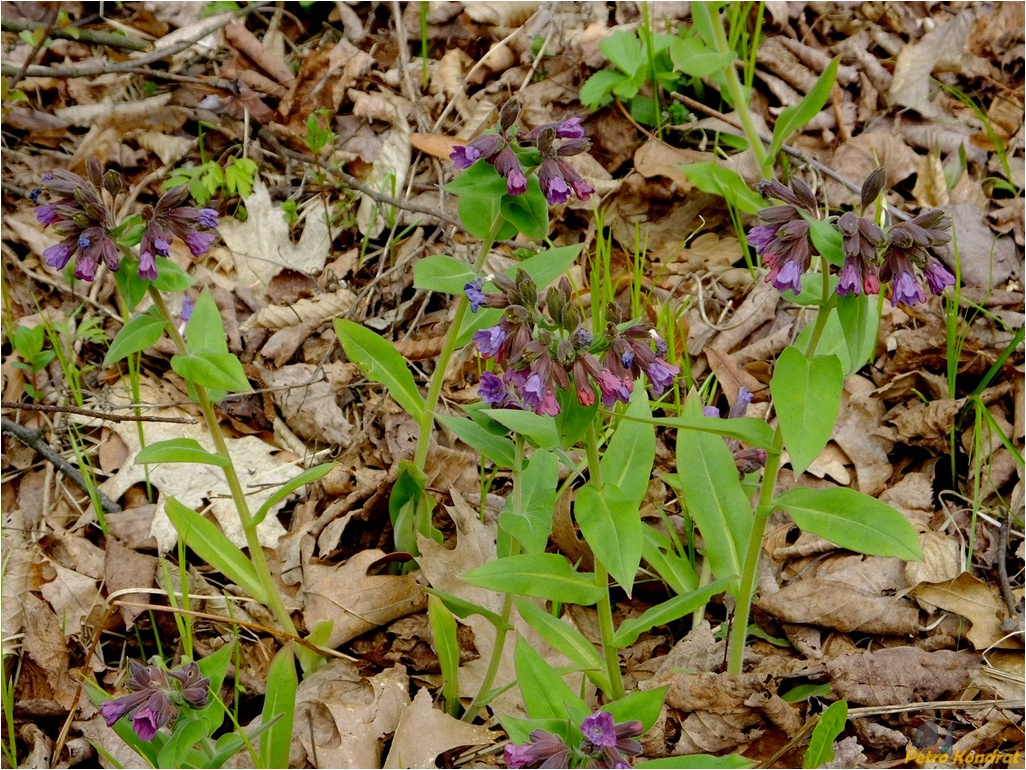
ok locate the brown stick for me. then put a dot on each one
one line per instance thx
(94, 413)
(88, 36)
(34, 440)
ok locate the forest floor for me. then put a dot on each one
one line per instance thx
(321, 134)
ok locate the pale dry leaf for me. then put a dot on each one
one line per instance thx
(931, 188)
(424, 732)
(1003, 674)
(89, 115)
(899, 675)
(256, 460)
(510, 14)
(17, 571)
(942, 560)
(657, 158)
(355, 601)
(912, 495)
(831, 604)
(706, 252)
(127, 568)
(260, 247)
(44, 642)
(985, 260)
(313, 310)
(974, 600)
(347, 717)
(848, 752)
(857, 157)
(170, 149)
(115, 752)
(308, 403)
(388, 176)
(831, 462)
(72, 596)
(860, 414)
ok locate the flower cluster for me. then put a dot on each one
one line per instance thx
(156, 697)
(747, 460)
(605, 744)
(542, 354)
(558, 179)
(81, 211)
(871, 256)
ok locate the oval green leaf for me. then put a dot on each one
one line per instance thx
(138, 334)
(807, 397)
(179, 450)
(381, 362)
(544, 575)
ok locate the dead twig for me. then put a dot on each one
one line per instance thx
(34, 440)
(87, 36)
(21, 70)
(107, 416)
(1002, 554)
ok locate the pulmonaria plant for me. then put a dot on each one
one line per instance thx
(871, 255)
(156, 697)
(81, 210)
(542, 353)
(605, 744)
(558, 179)
(747, 460)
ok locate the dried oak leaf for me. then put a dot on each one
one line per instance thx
(837, 605)
(899, 675)
(974, 600)
(424, 732)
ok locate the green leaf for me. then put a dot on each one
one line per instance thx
(852, 520)
(804, 692)
(214, 667)
(567, 639)
(532, 525)
(796, 116)
(666, 612)
(624, 50)
(713, 494)
(807, 397)
(131, 287)
(443, 635)
(136, 335)
(642, 705)
(597, 90)
(498, 449)
(675, 570)
(462, 608)
(238, 176)
(442, 273)
(381, 362)
(573, 419)
(831, 341)
(409, 507)
(546, 695)
(627, 461)
(539, 429)
(544, 575)
(212, 370)
(171, 277)
(179, 450)
(830, 725)
(309, 659)
(205, 329)
(282, 684)
(308, 476)
(713, 178)
(529, 212)
(213, 547)
(546, 266)
(611, 523)
(827, 240)
(186, 733)
(693, 58)
(860, 323)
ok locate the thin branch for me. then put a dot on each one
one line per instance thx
(34, 440)
(794, 152)
(356, 184)
(88, 36)
(19, 72)
(94, 413)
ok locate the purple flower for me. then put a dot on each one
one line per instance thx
(614, 388)
(57, 256)
(552, 183)
(491, 388)
(760, 237)
(208, 218)
(147, 266)
(746, 460)
(860, 238)
(937, 276)
(484, 146)
(533, 392)
(786, 277)
(508, 165)
(570, 128)
(188, 305)
(473, 292)
(851, 279)
(46, 215)
(905, 289)
(608, 741)
(543, 750)
(156, 697)
(489, 340)
(198, 243)
(158, 711)
(581, 189)
(548, 405)
(661, 375)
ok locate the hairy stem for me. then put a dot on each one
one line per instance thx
(256, 553)
(605, 604)
(750, 569)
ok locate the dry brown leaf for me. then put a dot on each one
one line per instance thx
(707, 252)
(260, 247)
(931, 188)
(72, 595)
(926, 425)
(127, 568)
(424, 732)
(355, 601)
(511, 14)
(309, 403)
(859, 416)
(657, 158)
(388, 176)
(346, 717)
(44, 642)
(985, 260)
(942, 560)
(435, 145)
(19, 558)
(718, 718)
(861, 154)
(831, 604)
(974, 600)
(899, 675)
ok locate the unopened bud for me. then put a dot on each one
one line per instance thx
(509, 114)
(112, 182)
(872, 186)
(94, 171)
